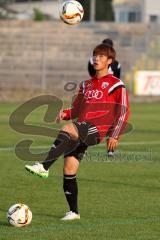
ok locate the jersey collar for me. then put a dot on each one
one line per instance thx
(102, 78)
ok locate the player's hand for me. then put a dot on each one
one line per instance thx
(60, 116)
(112, 144)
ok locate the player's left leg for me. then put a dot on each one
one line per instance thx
(70, 187)
(71, 165)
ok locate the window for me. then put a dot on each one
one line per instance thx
(134, 17)
(153, 18)
(123, 17)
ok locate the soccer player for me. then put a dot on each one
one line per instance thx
(101, 108)
(114, 68)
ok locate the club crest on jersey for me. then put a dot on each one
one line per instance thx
(104, 85)
(89, 85)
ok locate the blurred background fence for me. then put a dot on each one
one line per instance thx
(40, 54)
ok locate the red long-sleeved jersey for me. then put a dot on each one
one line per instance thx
(102, 102)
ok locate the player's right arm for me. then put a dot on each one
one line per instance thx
(61, 115)
(73, 112)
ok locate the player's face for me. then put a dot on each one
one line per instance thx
(101, 62)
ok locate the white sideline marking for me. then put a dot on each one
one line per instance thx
(13, 148)
(102, 144)
(98, 222)
(138, 143)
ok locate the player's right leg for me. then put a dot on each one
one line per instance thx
(37, 169)
(66, 140)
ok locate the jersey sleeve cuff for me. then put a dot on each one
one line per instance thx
(68, 114)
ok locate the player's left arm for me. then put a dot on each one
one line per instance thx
(120, 117)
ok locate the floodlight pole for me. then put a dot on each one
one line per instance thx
(43, 79)
(92, 10)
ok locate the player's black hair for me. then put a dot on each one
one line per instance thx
(103, 49)
(108, 42)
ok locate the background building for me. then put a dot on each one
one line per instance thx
(147, 11)
(34, 53)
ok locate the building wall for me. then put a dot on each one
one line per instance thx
(48, 7)
(152, 11)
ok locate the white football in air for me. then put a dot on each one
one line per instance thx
(71, 12)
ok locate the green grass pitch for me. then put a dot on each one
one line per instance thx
(119, 199)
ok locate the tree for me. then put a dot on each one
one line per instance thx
(5, 9)
(104, 10)
(86, 6)
(4, 2)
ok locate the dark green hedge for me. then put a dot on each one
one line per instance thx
(104, 11)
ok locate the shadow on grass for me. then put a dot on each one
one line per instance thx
(54, 217)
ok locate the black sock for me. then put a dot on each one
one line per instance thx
(71, 191)
(62, 144)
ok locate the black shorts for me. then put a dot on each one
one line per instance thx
(88, 136)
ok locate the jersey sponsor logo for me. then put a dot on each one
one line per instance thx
(97, 94)
(104, 85)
